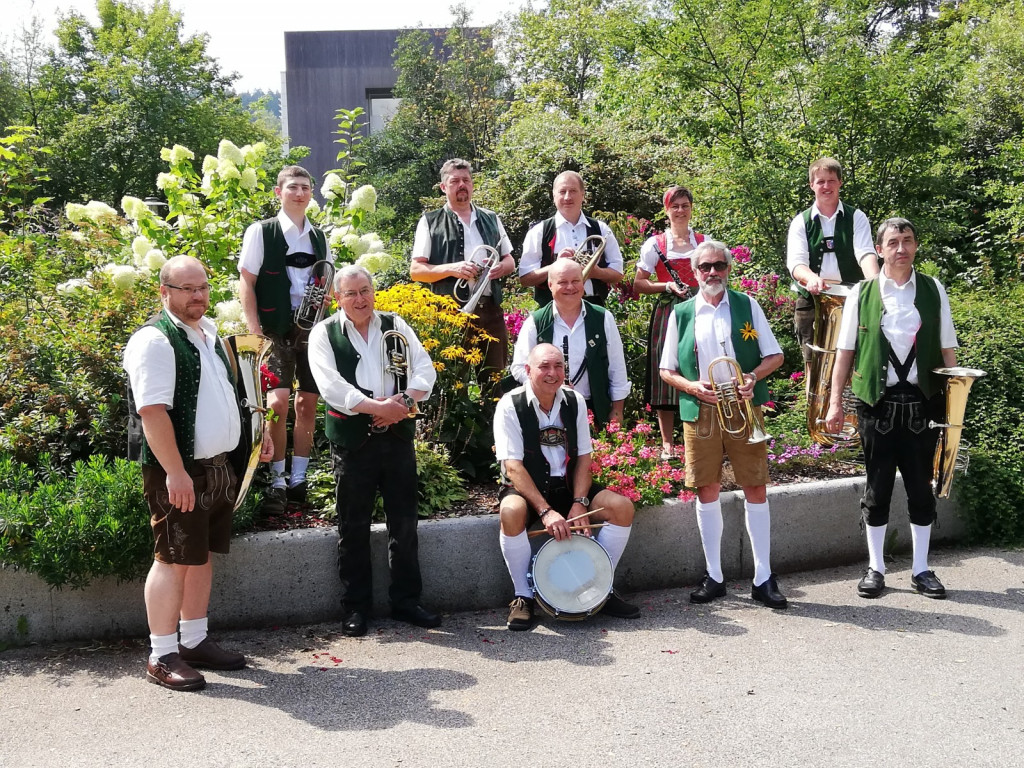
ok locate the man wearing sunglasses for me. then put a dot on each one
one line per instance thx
(721, 322)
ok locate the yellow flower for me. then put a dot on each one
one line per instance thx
(453, 353)
(438, 366)
(748, 332)
(474, 357)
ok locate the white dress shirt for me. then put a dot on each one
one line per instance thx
(149, 362)
(900, 321)
(472, 239)
(344, 396)
(508, 434)
(677, 249)
(299, 241)
(618, 382)
(568, 235)
(798, 250)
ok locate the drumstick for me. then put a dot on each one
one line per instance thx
(542, 531)
(584, 514)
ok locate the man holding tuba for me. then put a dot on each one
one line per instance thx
(372, 370)
(185, 422)
(275, 264)
(718, 323)
(896, 329)
(447, 253)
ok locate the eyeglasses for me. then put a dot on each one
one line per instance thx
(718, 266)
(363, 292)
(190, 288)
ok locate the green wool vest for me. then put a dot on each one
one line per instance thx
(351, 431)
(187, 371)
(596, 354)
(842, 246)
(448, 243)
(748, 354)
(541, 293)
(871, 359)
(273, 288)
(533, 458)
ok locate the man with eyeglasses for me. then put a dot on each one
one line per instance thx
(276, 260)
(721, 322)
(185, 420)
(372, 370)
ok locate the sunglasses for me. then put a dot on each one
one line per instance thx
(718, 266)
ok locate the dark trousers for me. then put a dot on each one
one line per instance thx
(386, 463)
(895, 435)
(492, 319)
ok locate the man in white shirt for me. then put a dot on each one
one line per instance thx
(827, 243)
(275, 263)
(560, 236)
(897, 328)
(720, 322)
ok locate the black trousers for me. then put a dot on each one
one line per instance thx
(386, 463)
(895, 435)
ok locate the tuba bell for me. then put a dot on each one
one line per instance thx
(828, 317)
(736, 415)
(950, 455)
(318, 288)
(250, 351)
(474, 290)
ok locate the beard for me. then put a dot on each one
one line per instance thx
(713, 289)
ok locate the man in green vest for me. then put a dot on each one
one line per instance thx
(275, 263)
(828, 242)
(717, 323)
(181, 385)
(371, 380)
(589, 340)
(897, 328)
(445, 241)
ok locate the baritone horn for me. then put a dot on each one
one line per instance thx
(589, 254)
(828, 317)
(735, 414)
(473, 290)
(394, 362)
(314, 300)
(950, 455)
(250, 351)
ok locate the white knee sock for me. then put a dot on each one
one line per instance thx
(613, 538)
(193, 631)
(162, 645)
(921, 536)
(759, 529)
(709, 521)
(277, 474)
(299, 464)
(876, 547)
(517, 553)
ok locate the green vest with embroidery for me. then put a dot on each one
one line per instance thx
(351, 431)
(871, 359)
(842, 246)
(596, 353)
(533, 457)
(748, 353)
(448, 243)
(273, 287)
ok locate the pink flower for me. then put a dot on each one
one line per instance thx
(796, 375)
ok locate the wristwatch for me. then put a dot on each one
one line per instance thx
(545, 511)
(582, 500)
(409, 402)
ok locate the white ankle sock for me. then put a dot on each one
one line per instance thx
(613, 538)
(921, 536)
(193, 631)
(709, 521)
(876, 547)
(299, 464)
(277, 474)
(162, 645)
(759, 529)
(517, 553)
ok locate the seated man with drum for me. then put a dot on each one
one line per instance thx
(542, 440)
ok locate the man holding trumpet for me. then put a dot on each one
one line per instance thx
(716, 323)
(447, 249)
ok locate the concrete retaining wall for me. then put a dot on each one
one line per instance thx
(290, 577)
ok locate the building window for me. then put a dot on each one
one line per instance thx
(382, 106)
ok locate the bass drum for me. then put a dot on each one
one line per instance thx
(571, 579)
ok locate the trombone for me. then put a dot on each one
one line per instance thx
(474, 290)
(735, 414)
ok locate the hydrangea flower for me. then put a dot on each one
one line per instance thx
(364, 198)
(133, 207)
(76, 213)
(155, 259)
(227, 150)
(229, 311)
(209, 164)
(179, 154)
(352, 242)
(249, 179)
(377, 261)
(371, 243)
(121, 275)
(74, 287)
(206, 187)
(141, 246)
(333, 187)
(254, 152)
(337, 234)
(312, 208)
(227, 169)
(101, 213)
(165, 180)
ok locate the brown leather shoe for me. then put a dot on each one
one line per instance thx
(171, 672)
(209, 655)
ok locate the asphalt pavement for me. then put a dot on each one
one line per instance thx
(833, 681)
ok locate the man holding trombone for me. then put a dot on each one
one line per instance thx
(449, 254)
(718, 350)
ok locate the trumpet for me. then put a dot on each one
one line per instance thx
(589, 253)
(735, 414)
(950, 454)
(394, 362)
(318, 286)
(473, 292)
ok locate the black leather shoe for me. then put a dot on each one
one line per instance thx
(297, 493)
(417, 615)
(928, 584)
(353, 624)
(274, 501)
(872, 585)
(708, 590)
(618, 608)
(768, 593)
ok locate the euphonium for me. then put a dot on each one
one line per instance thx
(249, 350)
(735, 414)
(948, 449)
(318, 287)
(474, 291)
(394, 362)
(828, 317)
(589, 253)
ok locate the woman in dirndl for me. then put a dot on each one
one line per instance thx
(664, 258)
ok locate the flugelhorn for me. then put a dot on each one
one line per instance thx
(473, 291)
(589, 253)
(250, 351)
(948, 450)
(828, 317)
(735, 414)
(394, 362)
(318, 287)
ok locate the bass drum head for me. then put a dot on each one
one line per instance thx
(571, 579)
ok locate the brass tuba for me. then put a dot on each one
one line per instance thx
(250, 351)
(589, 253)
(949, 454)
(318, 288)
(394, 361)
(828, 316)
(475, 290)
(735, 414)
